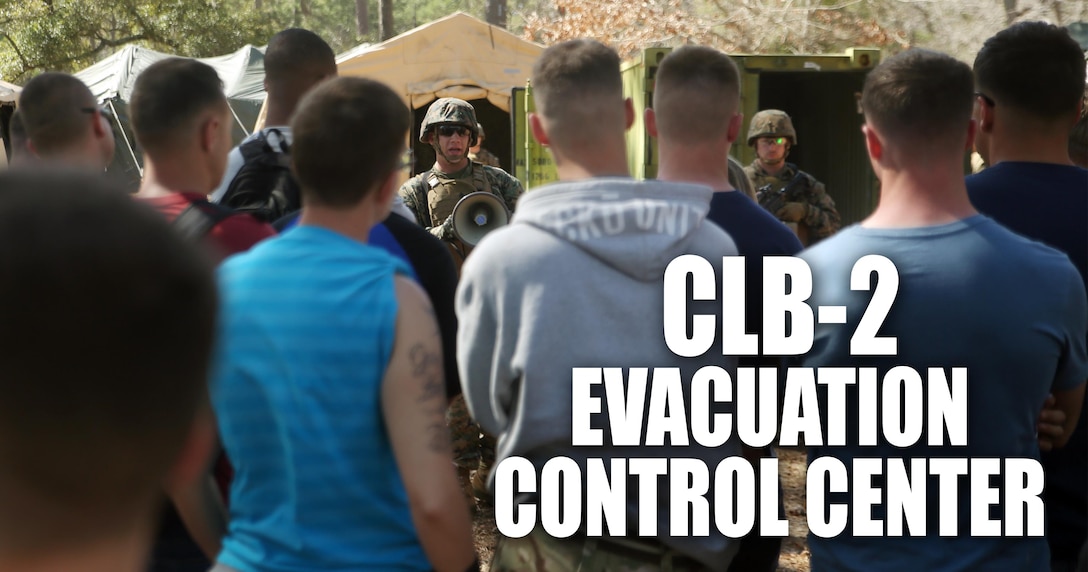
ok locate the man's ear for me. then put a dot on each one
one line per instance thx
(985, 118)
(99, 125)
(209, 133)
(389, 187)
(735, 124)
(536, 126)
(873, 145)
(629, 113)
(651, 121)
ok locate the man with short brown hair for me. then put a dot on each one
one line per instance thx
(106, 342)
(958, 278)
(332, 350)
(64, 122)
(576, 280)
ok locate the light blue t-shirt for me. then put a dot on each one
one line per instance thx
(971, 294)
(307, 331)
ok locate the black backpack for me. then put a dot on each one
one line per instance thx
(199, 218)
(264, 186)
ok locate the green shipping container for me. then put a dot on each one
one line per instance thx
(818, 91)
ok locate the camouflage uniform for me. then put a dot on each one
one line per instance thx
(485, 157)
(738, 177)
(416, 190)
(818, 218)
(539, 552)
(431, 196)
(821, 219)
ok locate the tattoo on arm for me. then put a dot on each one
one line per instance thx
(427, 367)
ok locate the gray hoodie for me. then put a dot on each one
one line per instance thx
(576, 280)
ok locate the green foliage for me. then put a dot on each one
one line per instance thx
(68, 35)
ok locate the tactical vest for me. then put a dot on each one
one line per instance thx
(443, 192)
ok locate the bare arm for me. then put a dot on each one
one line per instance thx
(192, 489)
(1069, 402)
(414, 404)
(202, 511)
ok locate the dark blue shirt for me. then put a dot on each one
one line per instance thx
(1049, 203)
(757, 233)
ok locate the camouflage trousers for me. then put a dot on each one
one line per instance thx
(473, 450)
(539, 552)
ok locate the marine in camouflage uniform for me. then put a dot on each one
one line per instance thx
(485, 157)
(480, 155)
(795, 197)
(738, 177)
(431, 196)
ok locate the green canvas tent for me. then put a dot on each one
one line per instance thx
(112, 79)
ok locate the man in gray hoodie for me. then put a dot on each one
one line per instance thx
(577, 281)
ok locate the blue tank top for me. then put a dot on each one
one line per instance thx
(307, 331)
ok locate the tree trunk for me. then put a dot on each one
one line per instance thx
(385, 22)
(304, 8)
(496, 13)
(1010, 12)
(257, 5)
(362, 18)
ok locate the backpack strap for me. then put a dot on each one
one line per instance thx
(427, 182)
(199, 218)
(479, 178)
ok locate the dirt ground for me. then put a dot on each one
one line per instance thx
(794, 557)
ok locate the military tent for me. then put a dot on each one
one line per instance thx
(456, 56)
(9, 96)
(112, 79)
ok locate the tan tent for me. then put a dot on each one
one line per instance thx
(456, 56)
(9, 92)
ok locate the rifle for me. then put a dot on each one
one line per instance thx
(773, 201)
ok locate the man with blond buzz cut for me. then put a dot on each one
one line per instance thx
(696, 120)
(332, 348)
(961, 278)
(64, 123)
(576, 280)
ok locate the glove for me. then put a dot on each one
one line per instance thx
(792, 212)
(444, 231)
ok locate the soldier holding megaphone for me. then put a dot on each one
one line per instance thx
(458, 200)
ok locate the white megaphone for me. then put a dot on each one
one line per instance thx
(477, 214)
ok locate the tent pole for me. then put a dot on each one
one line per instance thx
(244, 130)
(128, 143)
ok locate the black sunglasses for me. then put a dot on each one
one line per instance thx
(104, 112)
(451, 130)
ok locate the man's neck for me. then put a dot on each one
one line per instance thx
(279, 112)
(355, 223)
(444, 166)
(1029, 146)
(927, 194)
(702, 164)
(772, 168)
(605, 159)
(84, 156)
(163, 179)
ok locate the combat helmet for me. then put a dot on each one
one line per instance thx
(449, 111)
(771, 123)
